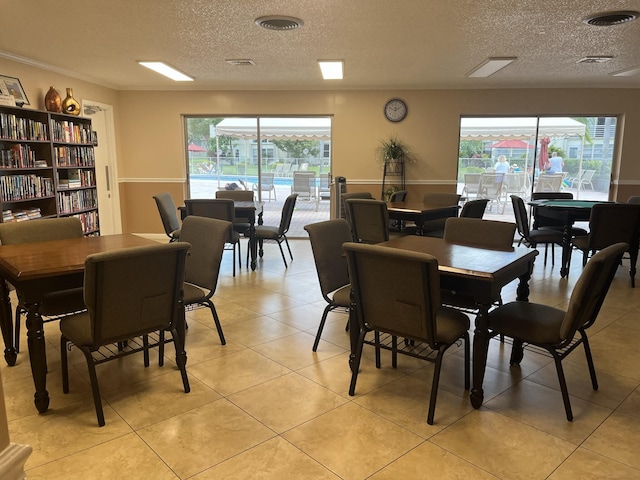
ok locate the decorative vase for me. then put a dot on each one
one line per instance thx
(52, 101)
(70, 105)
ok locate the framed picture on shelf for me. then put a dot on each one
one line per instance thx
(12, 86)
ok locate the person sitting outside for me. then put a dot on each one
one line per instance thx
(501, 165)
(556, 162)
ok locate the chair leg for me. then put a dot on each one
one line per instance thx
(288, 247)
(216, 320)
(239, 256)
(587, 352)
(94, 385)
(376, 336)
(181, 359)
(356, 363)
(563, 387)
(19, 310)
(394, 351)
(145, 349)
(553, 254)
(327, 309)
(282, 253)
(64, 364)
(434, 385)
(467, 361)
(161, 348)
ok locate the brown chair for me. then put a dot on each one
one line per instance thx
(168, 215)
(56, 303)
(240, 224)
(555, 330)
(348, 195)
(436, 227)
(634, 200)
(611, 223)
(129, 293)
(207, 237)
(277, 233)
(398, 196)
(326, 240)
(409, 308)
(221, 209)
(471, 209)
(532, 237)
(368, 220)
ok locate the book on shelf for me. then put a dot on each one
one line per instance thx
(9, 216)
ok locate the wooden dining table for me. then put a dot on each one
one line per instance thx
(419, 213)
(252, 211)
(37, 268)
(477, 272)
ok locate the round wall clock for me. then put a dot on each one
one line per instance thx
(395, 110)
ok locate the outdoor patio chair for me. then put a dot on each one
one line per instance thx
(266, 184)
(304, 185)
(550, 182)
(583, 180)
(491, 188)
(471, 185)
(324, 191)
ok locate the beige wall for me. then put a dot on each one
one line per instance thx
(150, 131)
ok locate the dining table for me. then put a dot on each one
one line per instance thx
(419, 213)
(37, 268)
(252, 211)
(477, 272)
(567, 212)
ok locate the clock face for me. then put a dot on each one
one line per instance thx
(395, 110)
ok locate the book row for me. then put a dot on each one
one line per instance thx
(76, 178)
(18, 156)
(20, 215)
(65, 131)
(19, 128)
(70, 202)
(23, 187)
(74, 156)
(89, 221)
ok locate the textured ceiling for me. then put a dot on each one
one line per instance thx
(386, 44)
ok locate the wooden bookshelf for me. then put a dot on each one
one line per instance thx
(47, 167)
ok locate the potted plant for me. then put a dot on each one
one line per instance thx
(393, 152)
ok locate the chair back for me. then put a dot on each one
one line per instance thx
(471, 184)
(520, 212)
(404, 308)
(346, 196)
(634, 200)
(40, 230)
(287, 213)
(327, 239)
(550, 182)
(474, 208)
(476, 232)
(611, 223)
(133, 291)
(304, 184)
(237, 195)
(219, 208)
(368, 219)
(207, 237)
(168, 212)
(591, 289)
(399, 196)
(445, 199)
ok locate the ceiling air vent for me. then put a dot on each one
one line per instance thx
(608, 19)
(240, 62)
(277, 22)
(595, 59)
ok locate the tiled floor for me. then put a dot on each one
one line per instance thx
(265, 406)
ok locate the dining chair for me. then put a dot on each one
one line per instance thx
(368, 220)
(634, 200)
(168, 215)
(327, 239)
(221, 209)
(240, 224)
(611, 223)
(266, 184)
(474, 208)
(410, 308)
(540, 221)
(57, 302)
(347, 195)
(129, 293)
(207, 237)
(532, 237)
(436, 227)
(554, 329)
(398, 196)
(277, 233)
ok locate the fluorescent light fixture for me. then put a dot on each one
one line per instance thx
(490, 66)
(629, 72)
(167, 71)
(331, 69)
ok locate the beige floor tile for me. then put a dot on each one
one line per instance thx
(108, 461)
(631, 405)
(203, 437)
(156, 399)
(614, 358)
(205, 345)
(352, 442)
(237, 371)
(229, 312)
(630, 320)
(617, 438)
(65, 431)
(305, 400)
(275, 459)
(257, 330)
(406, 403)
(430, 461)
(304, 317)
(542, 407)
(496, 444)
(294, 351)
(586, 464)
(333, 331)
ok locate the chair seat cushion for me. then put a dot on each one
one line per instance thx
(77, 328)
(531, 322)
(450, 325)
(575, 231)
(267, 232)
(581, 242)
(545, 236)
(241, 227)
(342, 296)
(192, 293)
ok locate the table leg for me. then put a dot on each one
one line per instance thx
(253, 247)
(480, 349)
(37, 356)
(566, 250)
(517, 349)
(6, 324)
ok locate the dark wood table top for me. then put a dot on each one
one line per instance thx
(417, 207)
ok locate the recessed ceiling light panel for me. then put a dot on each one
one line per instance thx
(240, 62)
(490, 66)
(629, 72)
(608, 19)
(168, 71)
(331, 69)
(595, 59)
(279, 22)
